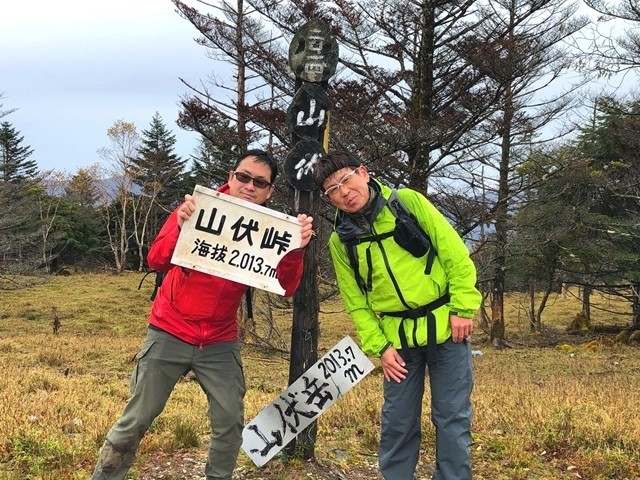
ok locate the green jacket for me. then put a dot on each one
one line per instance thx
(452, 271)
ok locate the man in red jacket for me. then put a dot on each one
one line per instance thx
(193, 327)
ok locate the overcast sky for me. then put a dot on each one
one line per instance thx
(72, 68)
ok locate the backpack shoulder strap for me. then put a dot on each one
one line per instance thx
(395, 203)
(397, 207)
(158, 282)
(353, 261)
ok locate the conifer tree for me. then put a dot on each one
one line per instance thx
(157, 168)
(15, 164)
(82, 190)
(18, 225)
(83, 245)
(212, 161)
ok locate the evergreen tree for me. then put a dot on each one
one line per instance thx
(82, 189)
(83, 244)
(19, 251)
(212, 161)
(157, 169)
(15, 164)
(580, 222)
(613, 148)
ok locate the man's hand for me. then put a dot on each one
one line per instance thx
(393, 365)
(186, 209)
(306, 230)
(461, 328)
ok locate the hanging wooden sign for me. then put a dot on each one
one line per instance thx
(301, 162)
(313, 52)
(307, 115)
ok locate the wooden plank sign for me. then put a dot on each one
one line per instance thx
(306, 399)
(235, 239)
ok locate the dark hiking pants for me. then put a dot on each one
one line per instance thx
(451, 382)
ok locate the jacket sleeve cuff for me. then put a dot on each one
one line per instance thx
(385, 348)
(462, 313)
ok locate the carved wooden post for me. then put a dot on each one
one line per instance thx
(313, 57)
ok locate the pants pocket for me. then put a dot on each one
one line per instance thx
(146, 348)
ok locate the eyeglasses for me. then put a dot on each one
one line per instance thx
(332, 190)
(257, 182)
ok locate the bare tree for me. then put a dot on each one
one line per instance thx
(48, 200)
(524, 59)
(117, 189)
(610, 52)
(235, 37)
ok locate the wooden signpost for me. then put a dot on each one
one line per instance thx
(313, 57)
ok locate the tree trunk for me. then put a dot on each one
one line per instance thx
(635, 305)
(421, 103)
(243, 139)
(532, 308)
(246, 323)
(586, 305)
(305, 330)
(497, 317)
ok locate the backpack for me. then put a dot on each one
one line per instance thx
(407, 233)
(157, 283)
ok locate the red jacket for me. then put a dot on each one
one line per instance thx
(199, 308)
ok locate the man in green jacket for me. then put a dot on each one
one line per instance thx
(412, 300)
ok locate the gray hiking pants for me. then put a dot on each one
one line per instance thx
(161, 362)
(451, 382)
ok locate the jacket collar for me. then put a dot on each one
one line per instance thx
(350, 225)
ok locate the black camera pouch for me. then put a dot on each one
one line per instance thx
(411, 237)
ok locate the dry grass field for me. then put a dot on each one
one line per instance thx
(553, 407)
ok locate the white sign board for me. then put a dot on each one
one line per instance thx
(235, 239)
(310, 395)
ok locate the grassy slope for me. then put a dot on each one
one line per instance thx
(562, 412)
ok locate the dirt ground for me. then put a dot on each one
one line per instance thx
(190, 466)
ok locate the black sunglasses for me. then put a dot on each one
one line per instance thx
(257, 182)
